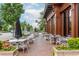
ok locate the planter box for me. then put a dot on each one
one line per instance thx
(9, 53)
(65, 52)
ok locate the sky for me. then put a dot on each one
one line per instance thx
(32, 13)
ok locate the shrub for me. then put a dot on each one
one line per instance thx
(61, 47)
(9, 48)
(1, 44)
(73, 43)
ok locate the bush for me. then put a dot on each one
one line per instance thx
(9, 48)
(1, 44)
(73, 43)
(60, 47)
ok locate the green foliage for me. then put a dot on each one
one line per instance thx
(42, 23)
(1, 24)
(5, 27)
(23, 26)
(9, 48)
(73, 42)
(1, 44)
(29, 27)
(10, 12)
(26, 26)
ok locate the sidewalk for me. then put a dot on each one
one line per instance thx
(40, 47)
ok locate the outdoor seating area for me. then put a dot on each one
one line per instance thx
(22, 44)
(25, 43)
(25, 32)
(55, 39)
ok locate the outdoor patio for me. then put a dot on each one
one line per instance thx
(49, 32)
(40, 47)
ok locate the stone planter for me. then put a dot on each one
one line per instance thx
(65, 52)
(9, 53)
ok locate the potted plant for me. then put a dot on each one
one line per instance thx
(70, 49)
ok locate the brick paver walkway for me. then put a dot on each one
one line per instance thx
(40, 47)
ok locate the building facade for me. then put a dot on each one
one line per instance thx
(62, 19)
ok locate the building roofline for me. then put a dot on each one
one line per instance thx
(47, 6)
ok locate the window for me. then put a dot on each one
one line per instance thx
(66, 18)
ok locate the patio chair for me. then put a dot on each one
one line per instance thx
(22, 47)
(46, 36)
(63, 40)
(57, 39)
(27, 42)
(30, 38)
(51, 37)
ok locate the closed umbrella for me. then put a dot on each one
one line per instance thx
(18, 32)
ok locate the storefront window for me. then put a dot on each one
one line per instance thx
(66, 17)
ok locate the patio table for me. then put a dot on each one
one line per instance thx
(30, 38)
(46, 36)
(20, 43)
(51, 37)
(17, 40)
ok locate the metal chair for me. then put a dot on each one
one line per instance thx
(51, 37)
(46, 36)
(57, 39)
(23, 46)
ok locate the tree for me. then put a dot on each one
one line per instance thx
(5, 27)
(10, 12)
(42, 23)
(1, 23)
(29, 27)
(26, 26)
(23, 25)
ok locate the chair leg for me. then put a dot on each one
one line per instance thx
(50, 41)
(23, 50)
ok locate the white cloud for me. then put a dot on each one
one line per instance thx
(35, 4)
(34, 12)
(31, 14)
(27, 17)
